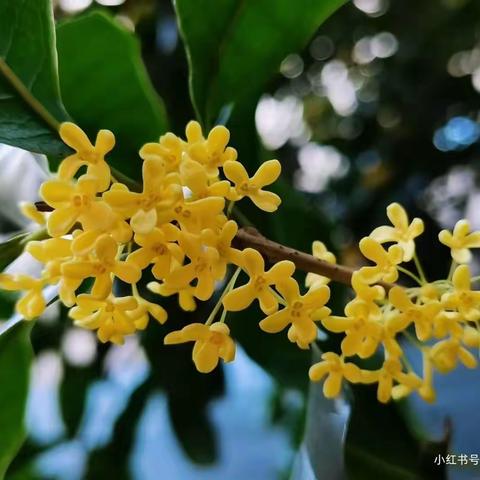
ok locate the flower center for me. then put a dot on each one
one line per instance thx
(99, 268)
(81, 200)
(109, 307)
(466, 299)
(244, 187)
(214, 157)
(149, 201)
(260, 283)
(88, 156)
(201, 265)
(216, 338)
(159, 249)
(297, 309)
(413, 314)
(391, 367)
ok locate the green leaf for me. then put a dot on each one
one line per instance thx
(234, 47)
(104, 84)
(380, 443)
(15, 359)
(12, 248)
(30, 104)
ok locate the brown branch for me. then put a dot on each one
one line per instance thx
(275, 252)
(43, 207)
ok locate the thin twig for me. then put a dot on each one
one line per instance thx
(274, 252)
(41, 206)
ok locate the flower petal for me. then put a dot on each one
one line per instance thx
(235, 172)
(276, 322)
(239, 298)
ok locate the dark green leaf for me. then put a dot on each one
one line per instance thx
(234, 47)
(15, 358)
(104, 84)
(7, 304)
(379, 443)
(12, 248)
(28, 59)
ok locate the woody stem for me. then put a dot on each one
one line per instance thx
(275, 252)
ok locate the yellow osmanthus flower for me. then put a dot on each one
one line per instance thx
(212, 342)
(158, 248)
(54, 252)
(75, 202)
(160, 192)
(50, 250)
(221, 239)
(336, 369)
(194, 215)
(460, 241)
(194, 176)
(111, 317)
(32, 304)
(212, 152)
(364, 291)
(320, 251)
(386, 261)
(259, 284)
(169, 150)
(186, 297)
(423, 316)
(446, 353)
(362, 327)
(205, 267)
(301, 312)
(471, 337)
(462, 298)
(244, 186)
(29, 210)
(93, 156)
(402, 233)
(449, 324)
(146, 308)
(84, 241)
(391, 372)
(102, 265)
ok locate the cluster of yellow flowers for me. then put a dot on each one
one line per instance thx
(439, 317)
(179, 227)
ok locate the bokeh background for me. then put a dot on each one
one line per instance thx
(383, 105)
